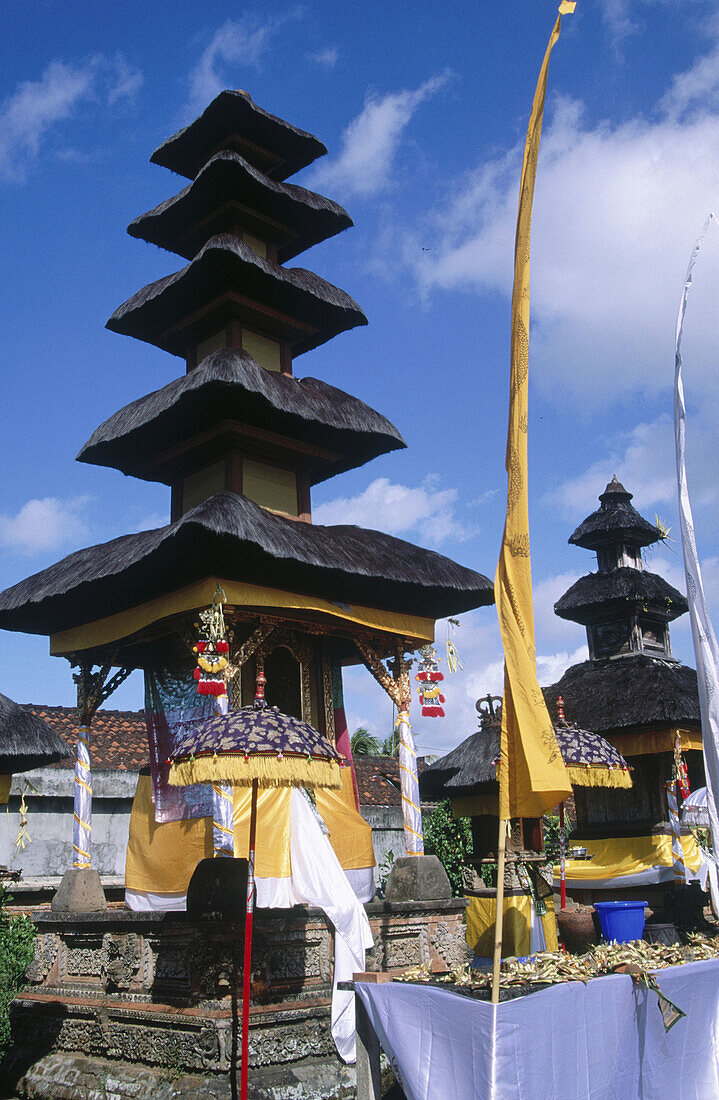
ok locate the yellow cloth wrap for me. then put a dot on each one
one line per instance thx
(617, 856)
(651, 741)
(198, 595)
(350, 835)
(271, 771)
(5, 785)
(532, 775)
(481, 913)
(272, 841)
(161, 858)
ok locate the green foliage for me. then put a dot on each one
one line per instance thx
(17, 948)
(450, 839)
(550, 829)
(384, 867)
(390, 746)
(363, 743)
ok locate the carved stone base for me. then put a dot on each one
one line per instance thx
(136, 1000)
(80, 891)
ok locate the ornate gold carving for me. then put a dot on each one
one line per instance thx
(330, 731)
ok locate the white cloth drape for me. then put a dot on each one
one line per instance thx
(411, 812)
(601, 1041)
(706, 651)
(82, 819)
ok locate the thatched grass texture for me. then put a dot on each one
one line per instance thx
(233, 113)
(228, 385)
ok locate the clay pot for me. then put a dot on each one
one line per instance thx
(577, 929)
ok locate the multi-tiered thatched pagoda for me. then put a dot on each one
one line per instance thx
(240, 440)
(636, 694)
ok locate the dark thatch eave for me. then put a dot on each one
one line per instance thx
(298, 218)
(231, 537)
(624, 589)
(627, 692)
(464, 770)
(227, 265)
(233, 121)
(26, 741)
(228, 385)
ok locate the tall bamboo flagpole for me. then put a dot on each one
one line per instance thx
(532, 775)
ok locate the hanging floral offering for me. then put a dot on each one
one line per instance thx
(212, 650)
(429, 678)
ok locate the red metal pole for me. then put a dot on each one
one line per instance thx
(562, 869)
(247, 963)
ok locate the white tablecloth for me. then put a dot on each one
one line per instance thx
(602, 1041)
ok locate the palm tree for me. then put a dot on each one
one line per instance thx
(390, 746)
(363, 743)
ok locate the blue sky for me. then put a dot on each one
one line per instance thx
(423, 110)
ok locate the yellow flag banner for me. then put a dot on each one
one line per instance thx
(532, 776)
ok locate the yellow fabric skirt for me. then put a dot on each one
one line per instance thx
(161, 858)
(481, 914)
(617, 857)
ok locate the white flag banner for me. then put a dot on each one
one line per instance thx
(706, 650)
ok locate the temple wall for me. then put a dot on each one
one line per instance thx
(49, 821)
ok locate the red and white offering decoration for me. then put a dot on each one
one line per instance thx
(429, 678)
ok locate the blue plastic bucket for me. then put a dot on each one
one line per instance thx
(621, 921)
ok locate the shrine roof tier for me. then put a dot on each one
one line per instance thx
(229, 536)
(622, 590)
(227, 279)
(628, 693)
(615, 521)
(233, 121)
(230, 194)
(267, 413)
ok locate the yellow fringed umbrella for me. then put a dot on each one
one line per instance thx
(252, 747)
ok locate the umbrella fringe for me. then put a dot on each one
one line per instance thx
(270, 771)
(589, 775)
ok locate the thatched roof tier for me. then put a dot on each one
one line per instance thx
(616, 521)
(471, 768)
(26, 741)
(229, 385)
(622, 589)
(227, 278)
(229, 536)
(233, 121)
(628, 692)
(230, 192)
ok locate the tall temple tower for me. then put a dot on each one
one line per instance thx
(631, 690)
(240, 441)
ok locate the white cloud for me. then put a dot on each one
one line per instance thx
(45, 524)
(28, 116)
(328, 58)
(399, 509)
(370, 142)
(239, 42)
(617, 210)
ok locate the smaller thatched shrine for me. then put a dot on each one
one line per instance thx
(635, 693)
(26, 742)
(469, 777)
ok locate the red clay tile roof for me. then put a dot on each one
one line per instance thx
(119, 737)
(378, 781)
